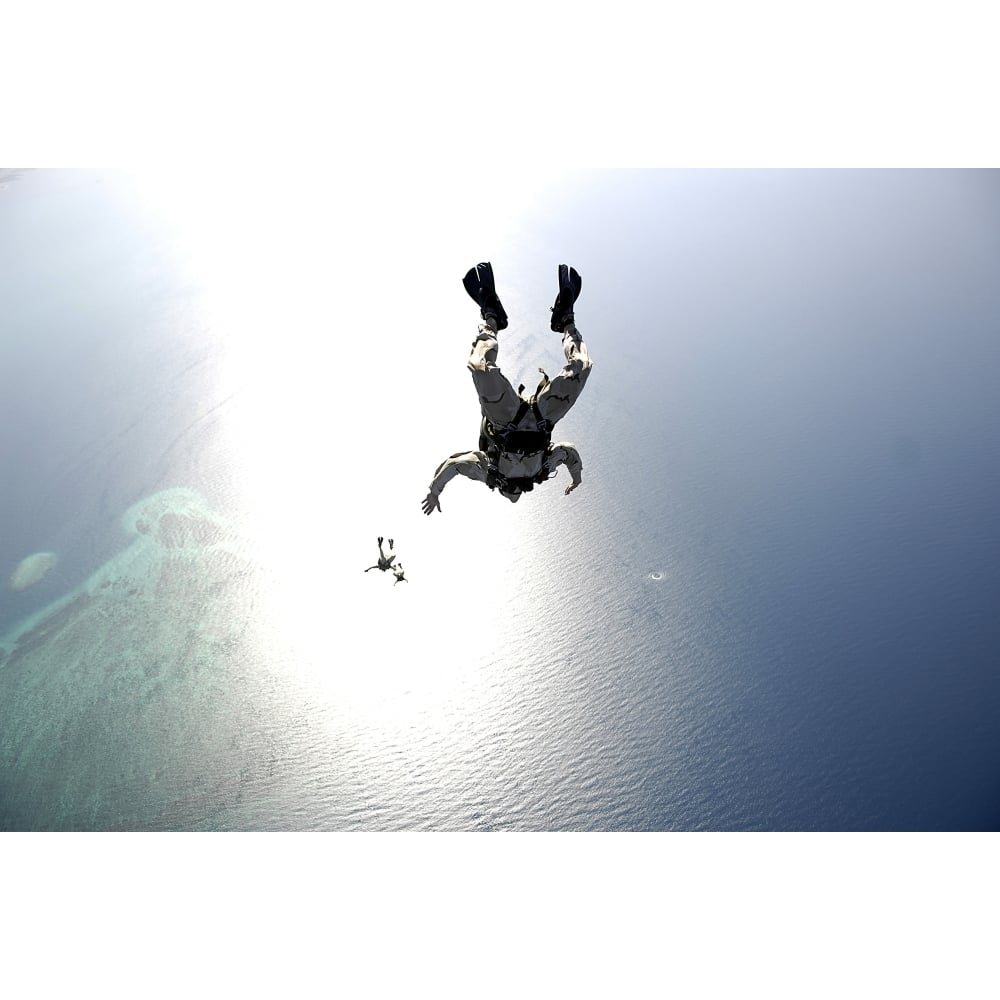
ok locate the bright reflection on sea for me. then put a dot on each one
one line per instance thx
(342, 384)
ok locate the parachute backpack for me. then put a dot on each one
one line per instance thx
(513, 440)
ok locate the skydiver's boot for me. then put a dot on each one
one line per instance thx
(570, 284)
(479, 284)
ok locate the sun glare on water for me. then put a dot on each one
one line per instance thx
(326, 395)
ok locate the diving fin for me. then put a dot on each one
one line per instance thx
(479, 284)
(570, 284)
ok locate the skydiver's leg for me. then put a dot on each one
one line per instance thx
(555, 400)
(498, 399)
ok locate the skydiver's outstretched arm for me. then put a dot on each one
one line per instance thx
(565, 454)
(463, 463)
(372, 567)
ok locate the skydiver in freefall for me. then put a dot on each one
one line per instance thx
(516, 452)
(384, 562)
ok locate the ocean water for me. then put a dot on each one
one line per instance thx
(772, 604)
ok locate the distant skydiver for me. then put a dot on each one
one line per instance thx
(515, 438)
(384, 563)
(398, 571)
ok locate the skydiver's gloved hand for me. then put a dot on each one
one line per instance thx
(430, 502)
(569, 489)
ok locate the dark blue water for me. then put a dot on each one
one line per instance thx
(826, 447)
(772, 605)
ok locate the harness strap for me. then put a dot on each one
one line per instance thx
(511, 438)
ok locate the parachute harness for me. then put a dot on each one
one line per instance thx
(513, 440)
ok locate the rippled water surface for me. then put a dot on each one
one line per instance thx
(770, 606)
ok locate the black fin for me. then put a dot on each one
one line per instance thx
(479, 283)
(576, 281)
(570, 284)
